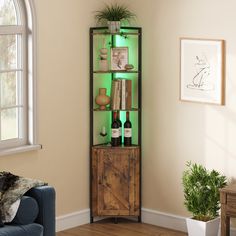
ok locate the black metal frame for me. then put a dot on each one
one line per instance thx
(91, 74)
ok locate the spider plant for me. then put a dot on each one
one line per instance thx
(114, 12)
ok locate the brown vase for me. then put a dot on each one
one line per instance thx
(102, 99)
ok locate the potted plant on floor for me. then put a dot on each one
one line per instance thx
(202, 199)
(112, 15)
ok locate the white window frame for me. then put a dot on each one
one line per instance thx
(28, 31)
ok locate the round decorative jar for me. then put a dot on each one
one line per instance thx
(102, 99)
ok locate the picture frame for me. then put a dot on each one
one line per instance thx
(202, 70)
(119, 58)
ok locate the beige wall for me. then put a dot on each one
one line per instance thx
(173, 131)
(63, 102)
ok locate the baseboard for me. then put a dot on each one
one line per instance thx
(170, 221)
(149, 216)
(72, 220)
(164, 220)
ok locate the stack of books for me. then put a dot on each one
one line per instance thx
(121, 94)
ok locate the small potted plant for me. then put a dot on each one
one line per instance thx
(202, 199)
(112, 15)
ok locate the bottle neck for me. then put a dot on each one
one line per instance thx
(118, 115)
(115, 115)
(127, 115)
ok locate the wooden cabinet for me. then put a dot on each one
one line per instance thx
(115, 172)
(228, 207)
(115, 180)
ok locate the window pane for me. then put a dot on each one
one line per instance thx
(8, 52)
(8, 85)
(7, 13)
(9, 124)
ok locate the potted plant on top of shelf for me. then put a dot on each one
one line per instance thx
(112, 15)
(202, 199)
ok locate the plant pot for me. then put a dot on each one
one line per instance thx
(114, 26)
(201, 228)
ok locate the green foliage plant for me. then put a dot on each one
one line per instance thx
(201, 191)
(114, 12)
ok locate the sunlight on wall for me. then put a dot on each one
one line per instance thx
(220, 126)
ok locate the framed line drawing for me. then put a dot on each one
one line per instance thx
(202, 70)
(119, 58)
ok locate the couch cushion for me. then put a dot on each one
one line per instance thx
(22, 230)
(27, 211)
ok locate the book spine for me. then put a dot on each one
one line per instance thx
(128, 94)
(112, 94)
(118, 95)
(115, 95)
(123, 94)
(115, 104)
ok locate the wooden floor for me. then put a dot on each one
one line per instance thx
(123, 228)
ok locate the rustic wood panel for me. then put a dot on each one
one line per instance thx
(231, 204)
(228, 207)
(113, 193)
(137, 182)
(95, 181)
(134, 182)
(230, 189)
(116, 187)
(123, 228)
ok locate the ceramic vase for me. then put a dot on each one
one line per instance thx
(103, 65)
(114, 26)
(102, 99)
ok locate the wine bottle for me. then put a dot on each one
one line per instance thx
(127, 131)
(115, 131)
(120, 127)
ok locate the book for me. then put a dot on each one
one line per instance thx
(128, 94)
(115, 94)
(118, 94)
(112, 94)
(121, 94)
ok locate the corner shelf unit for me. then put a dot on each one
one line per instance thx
(115, 172)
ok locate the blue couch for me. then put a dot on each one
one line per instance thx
(35, 216)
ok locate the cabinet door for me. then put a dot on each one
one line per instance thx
(116, 182)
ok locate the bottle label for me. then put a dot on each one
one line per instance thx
(127, 132)
(120, 131)
(115, 133)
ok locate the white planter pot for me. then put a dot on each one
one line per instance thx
(201, 228)
(114, 26)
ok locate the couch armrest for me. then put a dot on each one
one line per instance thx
(45, 196)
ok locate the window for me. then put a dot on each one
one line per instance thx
(17, 110)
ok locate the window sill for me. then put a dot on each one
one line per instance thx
(15, 150)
